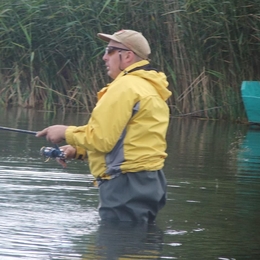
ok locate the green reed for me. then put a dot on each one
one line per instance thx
(51, 56)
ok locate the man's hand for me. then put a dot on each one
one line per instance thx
(54, 134)
(69, 153)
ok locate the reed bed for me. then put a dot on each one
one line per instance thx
(51, 57)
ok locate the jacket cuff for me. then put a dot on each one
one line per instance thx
(69, 135)
(81, 153)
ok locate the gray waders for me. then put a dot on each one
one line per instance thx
(132, 196)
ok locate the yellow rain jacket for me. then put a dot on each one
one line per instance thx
(127, 128)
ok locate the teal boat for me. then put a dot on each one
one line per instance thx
(250, 91)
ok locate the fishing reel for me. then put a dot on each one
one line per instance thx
(52, 152)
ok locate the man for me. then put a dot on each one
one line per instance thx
(124, 139)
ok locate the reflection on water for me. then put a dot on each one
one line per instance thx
(248, 189)
(212, 211)
(249, 154)
(126, 241)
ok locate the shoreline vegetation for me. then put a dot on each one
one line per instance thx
(51, 57)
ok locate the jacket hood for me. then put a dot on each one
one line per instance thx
(157, 79)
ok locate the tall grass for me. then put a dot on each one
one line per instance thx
(51, 57)
(47, 50)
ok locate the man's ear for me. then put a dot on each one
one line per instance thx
(130, 56)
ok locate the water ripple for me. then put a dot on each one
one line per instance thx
(43, 211)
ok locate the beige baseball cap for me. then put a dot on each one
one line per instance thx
(133, 40)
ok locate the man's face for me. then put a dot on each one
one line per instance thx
(114, 58)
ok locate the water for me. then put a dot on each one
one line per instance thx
(212, 211)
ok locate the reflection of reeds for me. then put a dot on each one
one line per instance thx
(50, 55)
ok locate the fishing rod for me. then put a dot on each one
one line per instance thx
(18, 130)
(47, 152)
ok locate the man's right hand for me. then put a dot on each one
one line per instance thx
(54, 134)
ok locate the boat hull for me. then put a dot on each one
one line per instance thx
(250, 91)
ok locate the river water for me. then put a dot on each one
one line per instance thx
(212, 211)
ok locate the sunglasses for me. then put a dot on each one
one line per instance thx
(111, 49)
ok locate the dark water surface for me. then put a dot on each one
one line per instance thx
(212, 212)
